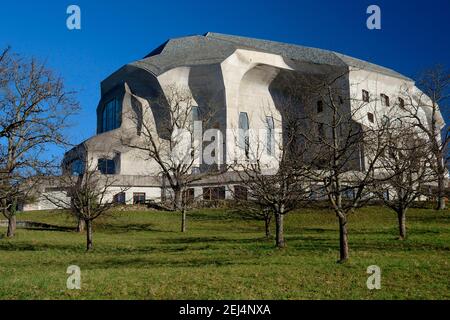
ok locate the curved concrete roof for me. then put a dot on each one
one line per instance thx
(215, 47)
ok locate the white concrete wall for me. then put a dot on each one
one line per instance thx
(376, 84)
(44, 204)
(247, 77)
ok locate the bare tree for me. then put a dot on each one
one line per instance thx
(169, 138)
(88, 195)
(346, 148)
(433, 100)
(406, 170)
(34, 112)
(275, 171)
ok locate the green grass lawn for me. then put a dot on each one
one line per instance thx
(142, 255)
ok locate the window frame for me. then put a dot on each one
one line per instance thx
(365, 95)
(384, 100)
(244, 139)
(319, 106)
(108, 163)
(138, 195)
(188, 196)
(401, 102)
(214, 193)
(120, 198)
(111, 115)
(270, 137)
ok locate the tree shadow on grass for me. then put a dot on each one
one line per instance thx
(113, 228)
(144, 262)
(21, 246)
(444, 219)
(40, 226)
(214, 216)
(393, 245)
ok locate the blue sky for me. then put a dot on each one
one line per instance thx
(414, 34)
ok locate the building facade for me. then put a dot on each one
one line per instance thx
(240, 77)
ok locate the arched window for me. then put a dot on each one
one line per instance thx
(270, 135)
(243, 132)
(112, 115)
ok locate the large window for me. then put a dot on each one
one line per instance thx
(244, 126)
(214, 193)
(112, 115)
(270, 135)
(106, 166)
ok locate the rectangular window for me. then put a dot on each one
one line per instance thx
(214, 193)
(138, 198)
(319, 106)
(195, 170)
(348, 193)
(106, 166)
(188, 196)
(370, 117)
(240, 193)
(384, 100)
(365, 96)
(270, 135)
(119, 198)
(401, 103)
(111, 115)
(244, 141)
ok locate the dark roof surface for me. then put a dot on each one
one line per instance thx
(215, 47)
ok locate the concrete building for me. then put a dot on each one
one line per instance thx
(239, 76)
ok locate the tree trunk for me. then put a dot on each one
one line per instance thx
(177, 200)
(89, 244)
(441, 193)
(178, 205)
(11, 226)
(280, 231)
(401, 215)
(183, 220)
(81, 225)
(267, 219)
(343, 239)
